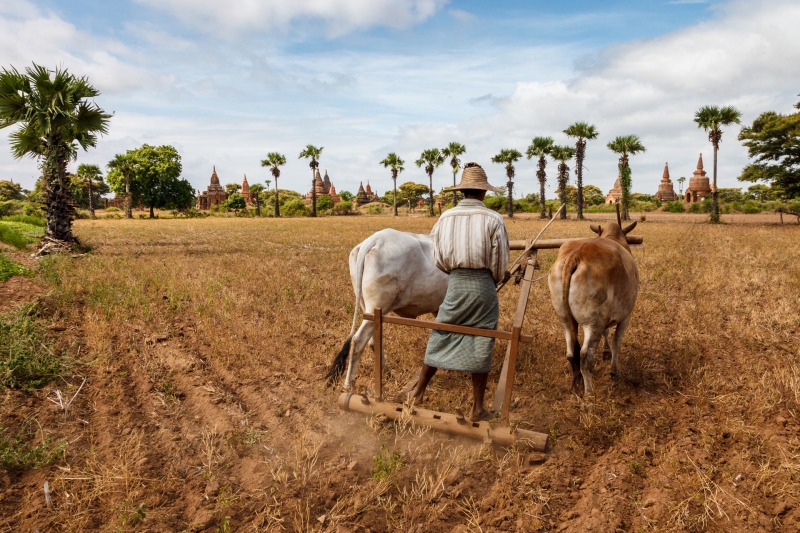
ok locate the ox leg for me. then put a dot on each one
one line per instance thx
(574, 358)
(360, 339)
(591, 340)
(606, 345)
(615, 344)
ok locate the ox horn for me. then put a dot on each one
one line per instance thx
(629, 228)
(595, 228)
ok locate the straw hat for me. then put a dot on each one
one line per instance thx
(473, 177)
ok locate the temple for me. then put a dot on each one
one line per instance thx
(615, 194)
(214, 194)
(365, 196)
(323, 187)
(666, 193)
(248, 198)
(699, 188)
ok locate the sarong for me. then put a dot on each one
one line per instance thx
(471, 300)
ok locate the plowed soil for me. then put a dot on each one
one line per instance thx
(197, 349)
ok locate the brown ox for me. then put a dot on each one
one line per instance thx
(594, 283)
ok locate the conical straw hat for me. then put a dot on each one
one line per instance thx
(473, 177)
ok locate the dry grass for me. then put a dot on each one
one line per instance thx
(208, 339)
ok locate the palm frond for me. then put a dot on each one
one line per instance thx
(562, 153)
(712, 117)
(626, 145)
(582, 130)
(540, 147)
(26, 141)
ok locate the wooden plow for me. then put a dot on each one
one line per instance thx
(501, 432)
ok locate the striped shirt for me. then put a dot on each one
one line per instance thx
(471, 235)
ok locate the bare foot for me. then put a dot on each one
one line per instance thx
(483, 414)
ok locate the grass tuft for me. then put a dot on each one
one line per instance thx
(26, 357)
(9, 269)
(16, 453)
(24, 219)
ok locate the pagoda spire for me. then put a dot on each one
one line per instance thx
(700, 162)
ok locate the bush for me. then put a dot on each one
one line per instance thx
(32, 210)
(498, 203)
(10, 207)
(82, 214)
(33, 221)
(674, 207)
(343, 208)
(113, 210)
(14, 237)
(9, 269)
(324, 202)
(294, 208)
(26, 357)
(194, 213)
(751, 207)
(375, 210)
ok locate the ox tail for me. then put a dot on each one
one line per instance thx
(569, 268)
(339, 363)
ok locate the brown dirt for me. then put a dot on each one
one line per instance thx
(203, 343)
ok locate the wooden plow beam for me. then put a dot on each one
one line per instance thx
(503, 432)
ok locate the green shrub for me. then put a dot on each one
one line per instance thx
(16, 452)
(9, 269)
(498, 203)
(294, 208)
(10, 207)
(751, 207)
(25, 219)
(375, 210)
(14, 237)
(82, 214)
(675, 207)
(324, 202)
(31, 209)
(112, 215)
(26, 357)
(343, 208)
(113, 210)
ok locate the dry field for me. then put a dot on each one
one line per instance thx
(202, 344)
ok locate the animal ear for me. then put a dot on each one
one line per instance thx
(595, 228)
(629, 228)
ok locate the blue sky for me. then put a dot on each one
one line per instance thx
(227, 82)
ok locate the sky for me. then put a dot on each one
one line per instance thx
(227, 82)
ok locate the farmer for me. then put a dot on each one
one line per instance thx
(470, 243)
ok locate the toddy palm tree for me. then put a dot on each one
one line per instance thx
(275, 161)
(255, 194)
(625, 145)
(393, 162)
(124, 165)
(562, 154)
(507, 157)
(680, 181)
(711, 118)
(56, 116)
(583, 131)
(453, 150)
(313, 153)
(431, 158)
(90, 176)
(540, 148)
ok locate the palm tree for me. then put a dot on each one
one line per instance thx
(540, 148)
(88, 175)
(711, 118)
(56, 115)
(255, 194)
(680, 181)
(313, 153)
(507, 157)
(431, 158)
(275, 160)
(267, 182)
(393, 162)
(562, 154)
(625, 145)
(124, 165)
(583, 131)
(453, 150)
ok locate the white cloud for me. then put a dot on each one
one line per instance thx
(339, 16)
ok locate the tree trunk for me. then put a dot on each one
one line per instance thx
(258, 206)
(542, 177)
(580, 152)
(625, 183)
(430, 201)
(714, 197)
(91, 200)
(510, 203)
(313, 194)
(152, 215)
(128, 199)
(277, 203)
(455, 192)
(58, 211)
(394, 194)
(563, 177)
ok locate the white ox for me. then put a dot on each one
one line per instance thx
(594, 283)
(393, 271)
